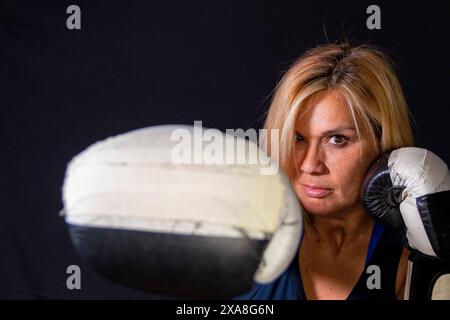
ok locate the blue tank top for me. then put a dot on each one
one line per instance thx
(385, 248)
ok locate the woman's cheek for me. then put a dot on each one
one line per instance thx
(348, 175)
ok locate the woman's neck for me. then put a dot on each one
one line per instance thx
(339, 230)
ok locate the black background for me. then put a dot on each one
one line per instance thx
(140, 63)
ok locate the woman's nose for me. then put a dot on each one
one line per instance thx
(311, 161)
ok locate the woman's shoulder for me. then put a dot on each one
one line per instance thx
(387, 246)
(286, 287)
(391, 238)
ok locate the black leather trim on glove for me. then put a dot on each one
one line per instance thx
(379, 197)
(434, 210)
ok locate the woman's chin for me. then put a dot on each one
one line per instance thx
(317, 207)
(317, 213)
(318, 210)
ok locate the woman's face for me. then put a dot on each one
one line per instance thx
(329, 170)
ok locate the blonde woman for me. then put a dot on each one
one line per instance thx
(338, 108)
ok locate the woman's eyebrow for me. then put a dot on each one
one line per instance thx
(335, 130)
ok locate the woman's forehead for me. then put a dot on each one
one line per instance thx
(324, 112)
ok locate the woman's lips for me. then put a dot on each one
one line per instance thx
(316, 192)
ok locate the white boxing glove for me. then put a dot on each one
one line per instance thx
(142, 217)
(411, 186)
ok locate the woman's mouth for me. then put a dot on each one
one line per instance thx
(316, 191)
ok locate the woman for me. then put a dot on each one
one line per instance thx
(338, 108)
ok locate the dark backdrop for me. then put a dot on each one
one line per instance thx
(142, 63)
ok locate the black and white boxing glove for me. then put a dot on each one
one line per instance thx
(411, 186)
(197, 230)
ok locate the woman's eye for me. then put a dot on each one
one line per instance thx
(298, 137)
(338, 140)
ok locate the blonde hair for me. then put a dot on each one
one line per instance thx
(365, 78)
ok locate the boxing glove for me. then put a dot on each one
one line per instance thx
(410, 187)
(143, 218)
